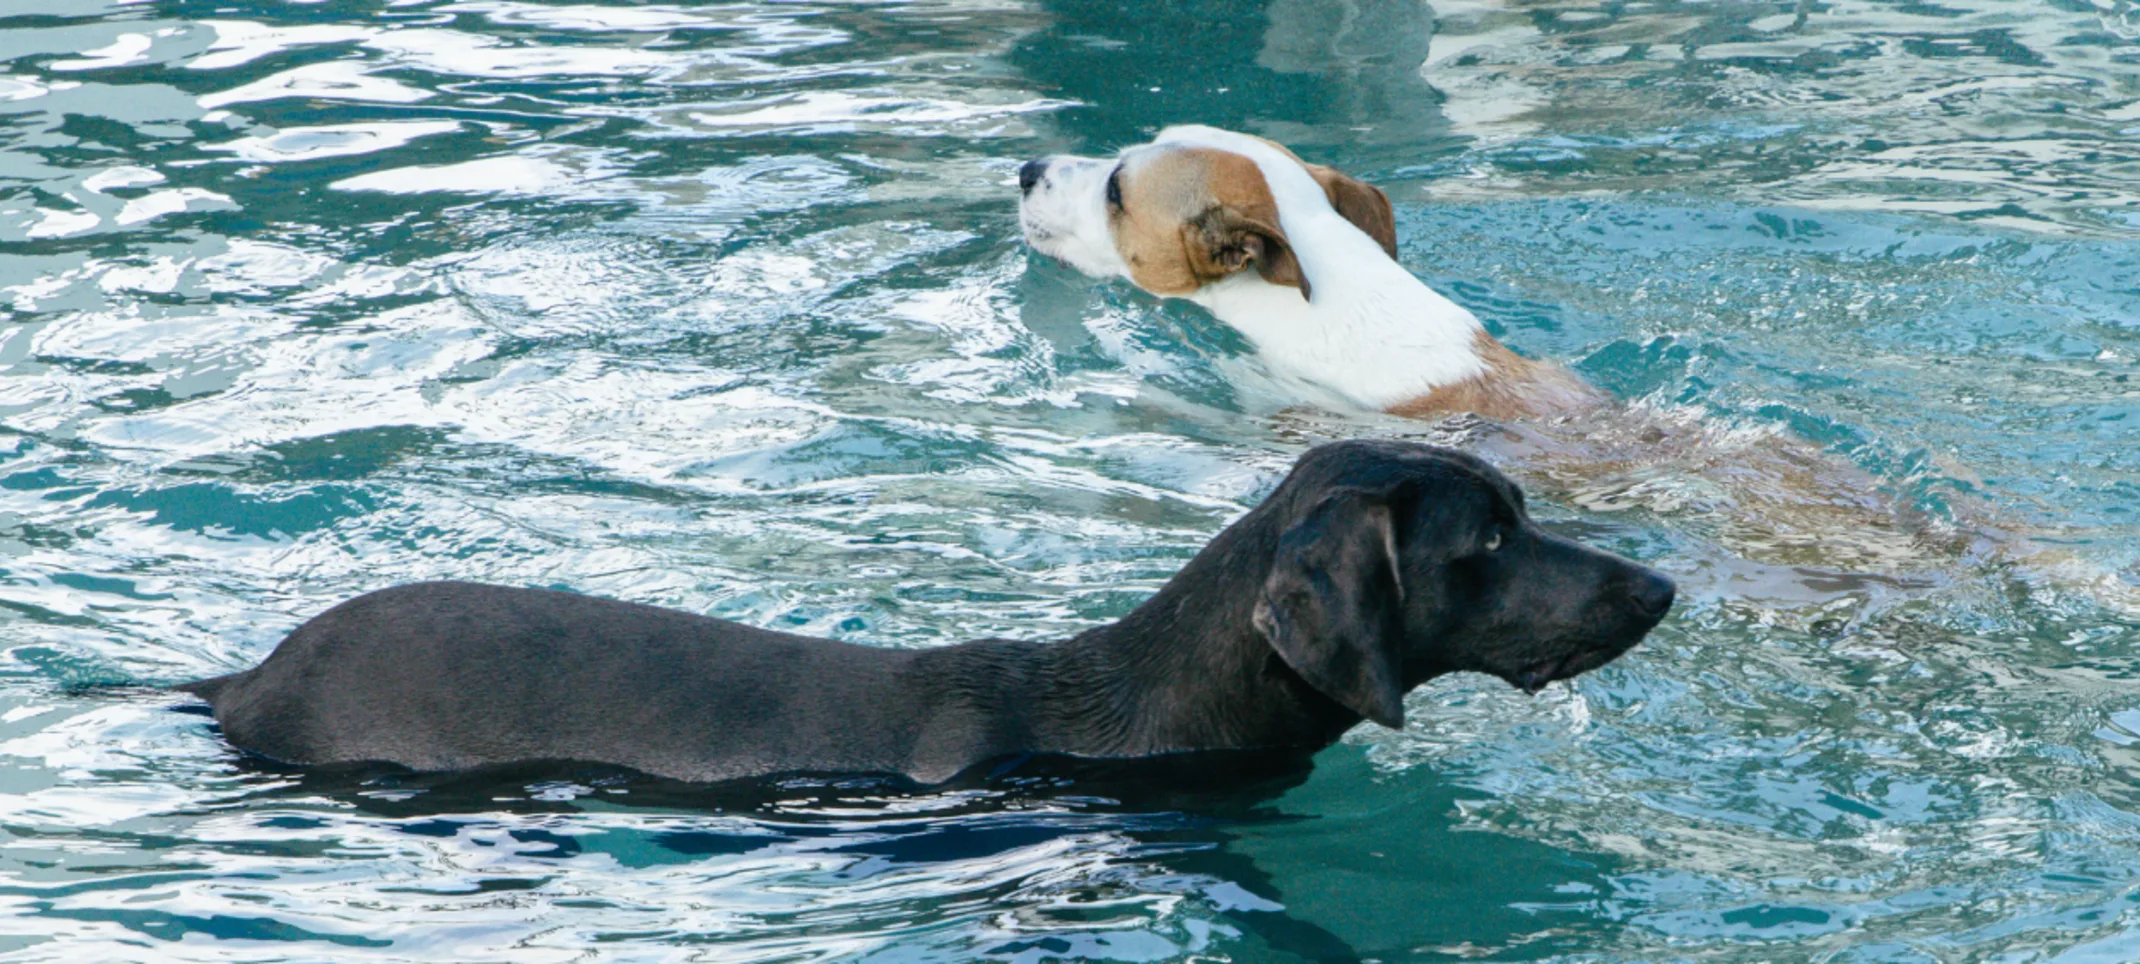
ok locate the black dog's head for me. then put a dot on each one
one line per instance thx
(1398, 562)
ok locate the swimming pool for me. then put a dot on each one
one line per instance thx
(721, 307)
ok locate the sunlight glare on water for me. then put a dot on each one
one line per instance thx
(721, 307)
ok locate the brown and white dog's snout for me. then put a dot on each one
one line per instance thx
(1064, 212)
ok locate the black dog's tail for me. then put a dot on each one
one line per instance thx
(208, 689)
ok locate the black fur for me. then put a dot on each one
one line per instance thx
(1365, 574)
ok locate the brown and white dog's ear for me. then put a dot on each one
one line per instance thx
(1361, 203)
(1225, 240)
(1355, 200)
(1332, 607)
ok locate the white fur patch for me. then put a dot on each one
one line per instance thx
(1065, 216)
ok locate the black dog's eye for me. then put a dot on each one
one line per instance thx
(1114, 187)
(1493, 541)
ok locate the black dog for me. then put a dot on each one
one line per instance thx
(1374, 567)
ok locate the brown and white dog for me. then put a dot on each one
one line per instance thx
(1302, 260)
(1296, 256)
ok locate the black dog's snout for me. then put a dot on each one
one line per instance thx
(1651, 593)
(1029, 175)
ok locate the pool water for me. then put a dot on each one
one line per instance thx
(722, 307)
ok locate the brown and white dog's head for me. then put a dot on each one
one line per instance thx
(1192, 208)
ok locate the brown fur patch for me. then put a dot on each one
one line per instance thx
(1361, 203)
(1511, 387)
(1355, 200)
(1192, 216)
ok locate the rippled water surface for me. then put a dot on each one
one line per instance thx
(721, 307)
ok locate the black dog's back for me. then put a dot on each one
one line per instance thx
(448, 675)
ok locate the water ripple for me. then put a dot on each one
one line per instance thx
(716, 306)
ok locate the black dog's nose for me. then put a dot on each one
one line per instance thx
(1029, 175)
(1652, 594)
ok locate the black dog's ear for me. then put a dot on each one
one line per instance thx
(1333, 605)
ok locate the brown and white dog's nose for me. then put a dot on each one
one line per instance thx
(1029, 174)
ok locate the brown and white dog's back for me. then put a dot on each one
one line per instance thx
(1298, 257)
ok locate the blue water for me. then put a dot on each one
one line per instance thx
(721, 307)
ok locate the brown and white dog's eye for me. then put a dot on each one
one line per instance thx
(1114, 188)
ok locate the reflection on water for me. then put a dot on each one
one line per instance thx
(2018, 116)
(718, 306)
